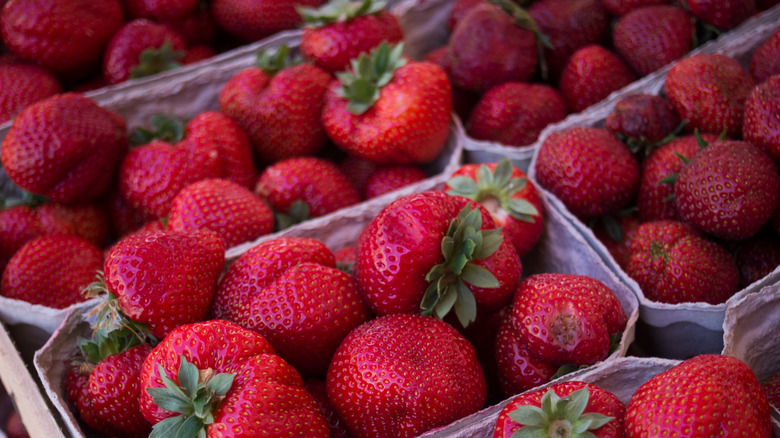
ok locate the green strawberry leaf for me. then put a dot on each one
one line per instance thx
(558, 416)
(154, 60)
(220, 384)
(369, 73)
(167, 428)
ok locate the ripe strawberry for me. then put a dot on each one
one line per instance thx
(728, 402)
(141, 48)
(760, 125)
(341, 30)
(160, 10)
(18, 225)
(77, 387)
(281, 111)
(21, 85)
(51, 271)
(672, 263)
(591, 74)
(459, 10)
(435, 252)
(250, 21)
(589, 169)
(643, 119)
(388, 178)
(709, 91)
(357, 170)
(510, 197)
(166, 278)
(622, 7)
(764, 62)
(49, 150)
(66, 37)
(650, 37)
(411, 387)
(463, 101)
(217, 374)
(562, 409)
(197, 28)
(196, 54)
(723, 14)
(222, 206)
(318, 390)
(517, 368)
(396, 112)
(771, 386)
(514, 113)
(757, 257)
(616, 234)
(346, 259)
(729, 190)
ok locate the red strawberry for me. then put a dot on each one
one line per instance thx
(616, 234)
(141, 48)
(729, 190)
(196, 54)
(757, 257)
(435, 252)
(399, 114)
(771, 386)
(760, 125)
(589, 169)
(566, 407)
(222, 206)
(459, 10)
(51, 271)
(197, 29)
(518, 369)
(280, 112)
(50, 150)
(341, 30)
(64, 36)
(346, 259)
(411, 387)
(77, 387)
(385, 179)
(723, 14)
(728, 401)
(18, 225)
(463, 101)
(709, 92)
(672, 263)
(357, 170)
(250, 21)
(591, 74)
(218, 374)
(650, 37)
(164, 279)
(622, 7)
(764, 62)
(160, 10)
(510, 197)
(643, 119)
(336, 425)
(22, 85)
(514, 113)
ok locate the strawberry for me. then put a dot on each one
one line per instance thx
(50, 149)
(13, 423)
(729, 190)
(589, 169)
(22, 85)
(723, 14)
(249, 21)
(411, 387)
(515, 113)
(435, 252)
(341, 30)
(563, 410)
(709, 91)
(318, 390)
(591, 74)
(357, 170)
(757, 257)
(395, 112)
(197, 28)
(280, 111)
(616, 234)
(66, 37)
(346, 259)
(222, 206)
(650, 37)
(672, 263)
(764, 62)
(622, 7)
(643, 119)
(18, 225)
(763, 5)
(760, 125)
(51, 271)
(510, 197)
(160, 10)
(463, 101)
(388, 178)
(771, 386)
(141, 48)
(196, 54)
(166, 278)
(517, 368)
(728, 401)
(459, 10)
(77, 392)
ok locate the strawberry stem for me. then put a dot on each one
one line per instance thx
(369, 73)
(558, 417)
(338, 11)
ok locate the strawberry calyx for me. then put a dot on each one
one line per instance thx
(463, 243)
(611, 222)
(559, 417)
(338, 11)
(156, 60)
(22, 197)
(163, 127)
(195, 397)
(495, 190)
(299, 212)
(362, 83)
(672, 177)
(272, 61)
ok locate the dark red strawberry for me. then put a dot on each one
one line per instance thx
(771, 386)
(198, 28)
(672, 263)
(622, 7)
(459, 9)
(341, 30)
(250, 21)
(591, 74)
(411, 387)
(141, 48)
(385, 179)
(616, 233)
(761, 123)
(730, 189)
(514, 113)
(589, 169)
(160, 10)
(50, 150)
(757, 257)
(709, 92)
(463, 101)
(643, 119)
(518, 369)
(18, 225)
(722, 14)
(650, 37)
(21, 85)
(357, 170)
(764, 62)
(317, 388)
(196, 54)
(77, 387)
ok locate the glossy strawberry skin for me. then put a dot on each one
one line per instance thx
(723, 14)
(22, 85)
(280, 113)
(413, 386)
(643, 116)
(672, 263)
(51, 271)
(386, 179)
(125, 47)
(589, 169)
(387, 133)
(518, 369)
(742, 189)
(590, 75)
(763, 63)
(729, 401)
(165, 278)
(762, 112)
(77, 391)
(250, 21)
(49, 150)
